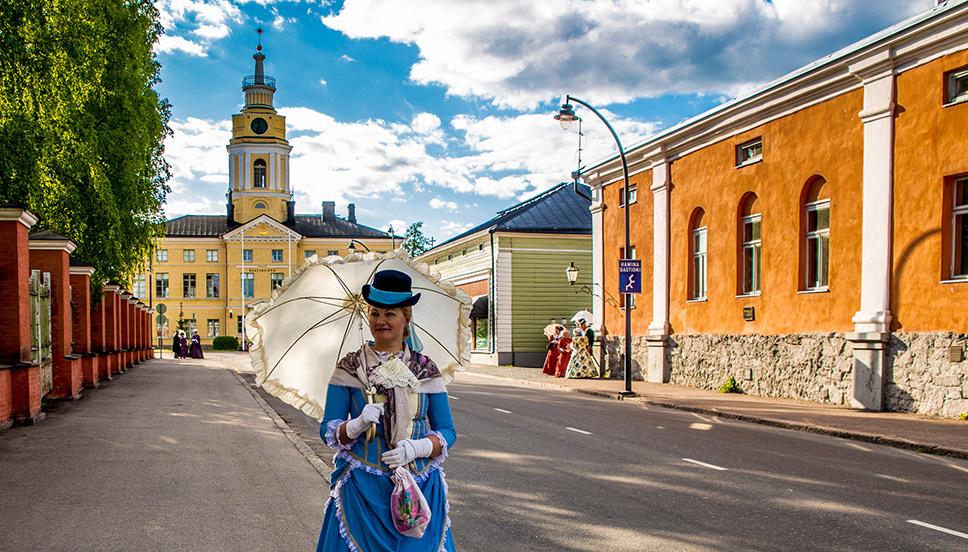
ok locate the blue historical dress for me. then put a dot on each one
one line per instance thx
(357, 515)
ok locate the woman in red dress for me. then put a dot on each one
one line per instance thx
(551, 359)
(564, 353)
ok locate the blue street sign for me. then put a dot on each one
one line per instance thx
(630, 276)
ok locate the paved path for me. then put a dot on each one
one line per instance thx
(173, 455)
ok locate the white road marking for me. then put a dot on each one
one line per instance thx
(705, 465)
(453, 398)
(936, 528)
(502, 410)
(582, 431)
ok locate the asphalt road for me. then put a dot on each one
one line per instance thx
(539, 469)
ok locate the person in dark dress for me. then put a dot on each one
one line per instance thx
(196, 347)
(176, 344)
(182, 345)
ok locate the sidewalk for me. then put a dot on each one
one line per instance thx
(908, 431)
(171, 455)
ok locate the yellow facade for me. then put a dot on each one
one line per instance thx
(198, 269)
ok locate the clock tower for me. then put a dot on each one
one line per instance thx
(258, 152)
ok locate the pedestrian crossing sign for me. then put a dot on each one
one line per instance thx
(630, 276)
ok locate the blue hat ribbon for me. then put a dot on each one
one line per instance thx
(389, 297)
(413, 341)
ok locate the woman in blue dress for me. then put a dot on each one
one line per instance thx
(386, 407)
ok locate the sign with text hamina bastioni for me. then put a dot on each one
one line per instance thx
(630, 276)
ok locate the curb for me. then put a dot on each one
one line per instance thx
(321, 468)
(924, 448)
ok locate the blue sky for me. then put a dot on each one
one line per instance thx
(441, 111)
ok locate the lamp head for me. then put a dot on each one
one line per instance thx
(351, 247)
(566, 116)
(572, 273)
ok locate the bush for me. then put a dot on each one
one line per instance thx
(730, 386)
(225, 343)
(964, 416)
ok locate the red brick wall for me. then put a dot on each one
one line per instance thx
(97, 326)
(6, 398)
(81, 313)
(14, 293)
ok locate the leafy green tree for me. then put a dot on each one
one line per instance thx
(414, 240)
(82, 128)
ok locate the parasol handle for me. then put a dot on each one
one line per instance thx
(370, 431)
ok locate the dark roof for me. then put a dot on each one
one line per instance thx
(310, 226)
(47, 235)
(558, 210)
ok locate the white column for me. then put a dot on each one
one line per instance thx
(872, 323)
(270, 167)
(246, 177)
(598, 256)
(231, 170)
(658, 366)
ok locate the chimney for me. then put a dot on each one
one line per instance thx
(291, 211)
(351, 208)
(329, 211)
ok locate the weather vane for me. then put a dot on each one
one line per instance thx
(259, 30)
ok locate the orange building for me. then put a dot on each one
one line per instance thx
(809, 239)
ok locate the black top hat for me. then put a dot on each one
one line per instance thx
(390, 289)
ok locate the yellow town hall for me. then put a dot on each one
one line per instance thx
(212, 269)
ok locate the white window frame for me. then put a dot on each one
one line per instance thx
(633, 195)
(957, 211)
(308, 253)
(140, 285)
(191, 292)
(700, 264)
(211, 255)
(248, 277)
(755, 246)
(276, 277)
(742, 160)
(951, 80)
(332, 253)
(256, 165)
(210, 278)
(188, 255)
(818, 234)
(213, 327)
(161, 255)
(162, 277)
(247, 255)
(277, 258)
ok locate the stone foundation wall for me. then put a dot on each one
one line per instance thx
(922, 379)
(812, 367)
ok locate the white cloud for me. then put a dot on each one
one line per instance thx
(451, 228)
(502, 157)
(347, 58)
(437, 203)
(209, 20)
(399, 226)
(167, 44)
(322, 82)
(521, 53)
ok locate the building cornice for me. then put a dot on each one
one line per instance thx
(111, 288)
(261, 219)
(52, 245)
(82, 271)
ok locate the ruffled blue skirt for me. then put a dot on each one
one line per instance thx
(357, 516)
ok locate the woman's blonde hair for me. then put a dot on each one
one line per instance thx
(407, 315)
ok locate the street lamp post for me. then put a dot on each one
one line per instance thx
(566, 115)
(352, 246)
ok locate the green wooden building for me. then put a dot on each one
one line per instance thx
(513, 266)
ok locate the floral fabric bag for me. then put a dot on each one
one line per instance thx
(409, 509)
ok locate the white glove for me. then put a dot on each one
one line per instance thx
(370, 415)
(407, 451)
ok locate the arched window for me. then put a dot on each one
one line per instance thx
(815, 234)
(750, 241)
(260, 205)
(259, 173)
(697, 255)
